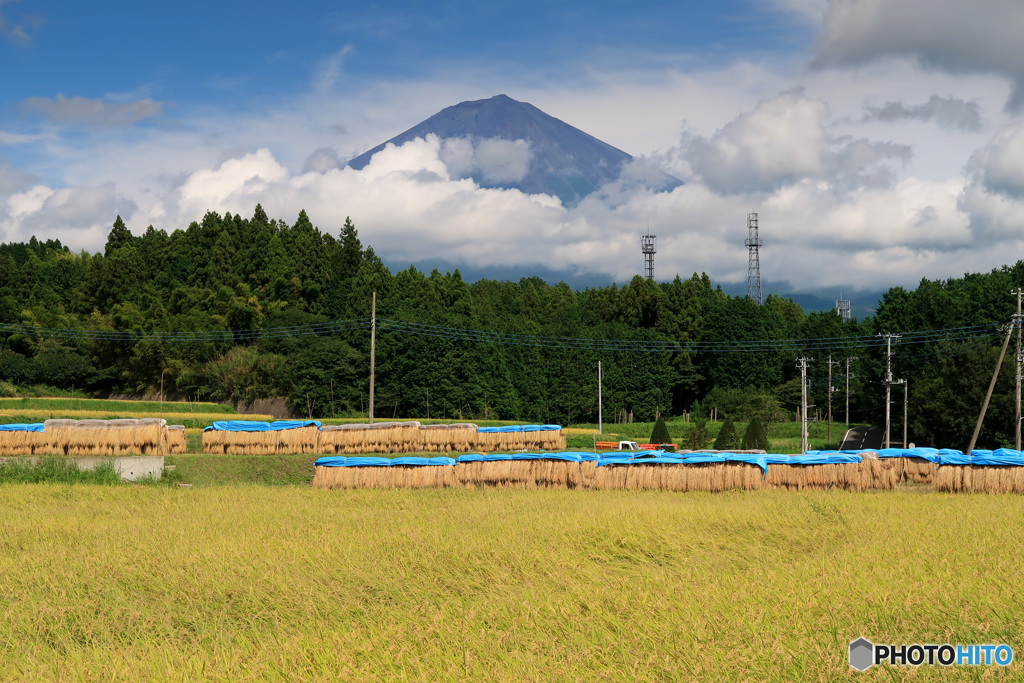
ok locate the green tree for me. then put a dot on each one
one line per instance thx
(755, 438)
(660, 432)
(728, 437)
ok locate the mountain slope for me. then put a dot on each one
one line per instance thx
(552, 157)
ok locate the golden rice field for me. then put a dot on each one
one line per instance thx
(256, 583)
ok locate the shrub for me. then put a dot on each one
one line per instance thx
(698, 437)
(755, 438)
(728, 437)
(660, 432)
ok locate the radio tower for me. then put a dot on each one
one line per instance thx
(647, 246)
(843, 308)
(753, 242)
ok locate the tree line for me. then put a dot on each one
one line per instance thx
(136, 318)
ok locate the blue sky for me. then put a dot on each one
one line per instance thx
(882, 135)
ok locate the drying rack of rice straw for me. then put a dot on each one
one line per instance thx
(128, 436)
(248, 437)
(983, 471)
(339, 472)
(22, 439)
(520, 438)
(521, 470)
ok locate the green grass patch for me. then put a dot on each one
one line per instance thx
(277, 584)
(55, 471)
(217, 470)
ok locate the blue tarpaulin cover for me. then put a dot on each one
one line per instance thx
(519, 428)
(470, 457)
(826, 458)
(253, 426)
(999, 458)
(948, 456)
(22, 427)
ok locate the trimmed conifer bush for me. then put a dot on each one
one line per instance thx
(728, 437)
(660, 432)
(755, 438)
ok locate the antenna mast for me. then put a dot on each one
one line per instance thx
(753, 243)
(843, 308)
(648, 244)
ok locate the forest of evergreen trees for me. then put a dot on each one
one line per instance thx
(141, 313)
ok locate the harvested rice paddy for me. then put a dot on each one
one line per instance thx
(257, 583)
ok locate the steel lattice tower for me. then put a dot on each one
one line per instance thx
(753, 243)
(843, 308)
(647, 246)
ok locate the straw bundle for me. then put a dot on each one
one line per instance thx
(980, 479)
(434, 438)
(388, 477)
(22, 443)
(871, 473)
(469, 474)
(299, 440)
(462, 437)
(176, 441)
(558, 474)
(919, 470)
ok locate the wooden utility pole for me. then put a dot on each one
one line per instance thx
(830, 364)
(1020, 359)
(906, 393)
(991, 387)
(848, 359)
(600, 426)
(373, 348)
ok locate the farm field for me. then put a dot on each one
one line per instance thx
(262, 583)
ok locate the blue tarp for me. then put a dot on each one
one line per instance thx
(1004, 457)
(826, 458)
(519, 428)
(423, 462)
(470, 457)
(884, 453)
(948, 456)
(929, 454)
(253, 426)
(22, 427)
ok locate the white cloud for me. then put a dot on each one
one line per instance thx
(496, 160)
(86, 112)
(782, 141)
(78, 216)
(957, 35)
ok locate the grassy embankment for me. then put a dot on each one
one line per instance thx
(255, 583)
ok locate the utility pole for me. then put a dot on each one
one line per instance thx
(373, 348)
(906, 394)
(1020, 360)
(888, 380)
(830, 390)
(848, 359)
(991, 387)
(600, 426)
(802, 364)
